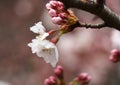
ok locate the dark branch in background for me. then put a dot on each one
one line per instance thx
(110, 18)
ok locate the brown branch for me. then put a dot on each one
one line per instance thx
(94, 26)
(78, 24)
(109, 17)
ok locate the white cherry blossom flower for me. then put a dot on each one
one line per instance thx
(42, 47)
(45, 49)
(38, 28)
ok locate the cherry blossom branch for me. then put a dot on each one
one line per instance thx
(93, 26)
(98, 26)
(99, 9)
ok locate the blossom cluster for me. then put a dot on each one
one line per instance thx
(81, 79)
(58, 80)
(46, 48)
(57, 12)
(43, 47)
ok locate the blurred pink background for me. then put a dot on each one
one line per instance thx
(83, 50)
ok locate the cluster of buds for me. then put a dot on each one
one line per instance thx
(58, 80)
(57, 12)
(114, 56)
(61, 16)
(82, 79)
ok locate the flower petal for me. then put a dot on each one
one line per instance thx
(38, 28)
(45, 49)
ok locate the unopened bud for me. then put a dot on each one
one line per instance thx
(50, 81)
(48, 6)
(47, 82)
(63, 15)
(114, 56)
(83, 78)
(57, 20)
(59, 72)
(60, 3)
(53, 3)
(60, 6)
(52, 13)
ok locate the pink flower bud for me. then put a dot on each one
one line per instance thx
(84, 78)
(50, 81)
(53, 3)
(113, 59)
(114, 56)
(53, 79)
(115, 51)
(63, 15)
(52, 13)
(47, 82)
(59, 72)
(60, 3)
(60, 67)
(57, 5)
(48, 6)
(60, 6)
(57, 20)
